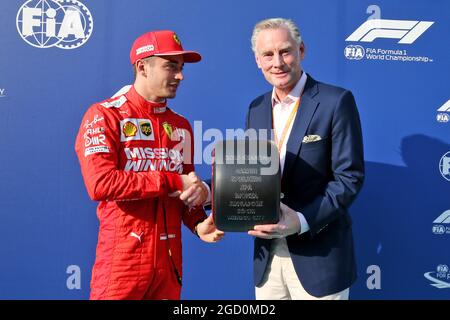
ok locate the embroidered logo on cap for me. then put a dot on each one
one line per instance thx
(177, 40)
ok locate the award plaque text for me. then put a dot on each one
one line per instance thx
(246, 184)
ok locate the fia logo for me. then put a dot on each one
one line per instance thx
(65, 24)
(353, 52)
(439, 276)
(444, 166)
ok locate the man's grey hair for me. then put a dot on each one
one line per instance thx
(276, 23)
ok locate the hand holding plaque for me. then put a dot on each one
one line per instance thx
(289, 224)
(246, 184)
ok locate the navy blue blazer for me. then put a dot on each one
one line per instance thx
(320, 179)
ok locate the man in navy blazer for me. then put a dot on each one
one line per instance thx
(309, 253)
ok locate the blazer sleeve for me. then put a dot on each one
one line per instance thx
(347, 165)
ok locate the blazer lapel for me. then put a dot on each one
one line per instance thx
(264, 116)
(308, 106)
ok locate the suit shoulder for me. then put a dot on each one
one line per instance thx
(330, 89)
(111, 104)
(259, 100)
(336, 96)
(109, 107)
(114, 102)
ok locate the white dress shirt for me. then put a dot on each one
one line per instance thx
(281, 112)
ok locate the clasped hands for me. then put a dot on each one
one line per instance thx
(194, 192)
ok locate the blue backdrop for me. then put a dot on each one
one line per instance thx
(59, 57)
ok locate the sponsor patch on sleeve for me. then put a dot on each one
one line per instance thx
(96, 149)
(94, 136)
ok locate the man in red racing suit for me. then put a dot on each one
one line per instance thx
(136, 156)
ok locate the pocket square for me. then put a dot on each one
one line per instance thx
(311, 138)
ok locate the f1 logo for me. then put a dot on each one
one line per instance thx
(443, 218)
(445, 107)
(405, 30)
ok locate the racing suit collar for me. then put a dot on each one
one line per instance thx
(152, 107)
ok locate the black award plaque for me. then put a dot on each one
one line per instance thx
(246, 184)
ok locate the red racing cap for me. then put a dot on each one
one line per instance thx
(160, 43)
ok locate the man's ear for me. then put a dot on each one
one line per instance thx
(302, 50)
(257, 61)
(140, 68)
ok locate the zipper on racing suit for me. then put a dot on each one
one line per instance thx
(163, 204)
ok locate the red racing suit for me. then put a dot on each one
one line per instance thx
(131, 154)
